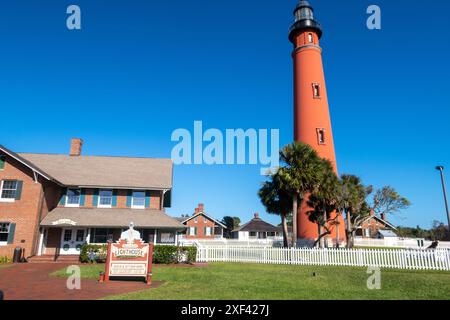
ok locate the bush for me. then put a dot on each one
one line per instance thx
(161, 254)
(5, 259)
(173, 254)
(99, 250)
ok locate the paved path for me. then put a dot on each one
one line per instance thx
(31, 281)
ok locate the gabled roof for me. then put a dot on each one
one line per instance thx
(203, 214)
(103, 171)
(381, 220)
(256, 225)
(27, 163)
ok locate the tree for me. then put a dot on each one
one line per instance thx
(299, 176)
(231, 223)
(324, 201)
(276, 201)
(387, 201)
(439, 231)
(353, 202)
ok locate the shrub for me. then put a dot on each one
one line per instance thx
(98, 249)
(5, 259)
(161, 254)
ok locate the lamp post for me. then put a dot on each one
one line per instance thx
(441, 170)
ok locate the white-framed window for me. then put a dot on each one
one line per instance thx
(192, 231)
(8, 190)
(208, 231)
(205, 220)
(367, 233)
(138, 200)
(73, 197)
(105, 198)
(4, 233)
(196, 219)
(310, 38)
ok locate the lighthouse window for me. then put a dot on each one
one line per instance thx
(310, 38)
(316, 90)
(321, 136)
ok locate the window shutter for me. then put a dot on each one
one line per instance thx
(2, 162)
(147, 199)
(204, 231)
(129, 198)
(195, 231)
(62, 201)
(82, 197)
(167, 199)
(114, 199)
(95, 198)
(19, 189)
(12, 229)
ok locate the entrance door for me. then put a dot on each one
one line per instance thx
(72, 241)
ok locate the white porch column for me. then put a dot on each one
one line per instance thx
(176, 238)
(88, 236)
(41, 241)
(154, 237)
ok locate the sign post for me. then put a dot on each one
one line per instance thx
(129, 257)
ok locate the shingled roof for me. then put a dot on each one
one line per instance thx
(256, 225)
(102, 171)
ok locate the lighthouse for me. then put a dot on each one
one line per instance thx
(312, 123)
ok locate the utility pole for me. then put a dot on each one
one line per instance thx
(441, 170)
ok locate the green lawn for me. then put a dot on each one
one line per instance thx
(257, 281)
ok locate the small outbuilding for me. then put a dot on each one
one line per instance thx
(255, 229)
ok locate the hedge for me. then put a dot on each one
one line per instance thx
(161, 254)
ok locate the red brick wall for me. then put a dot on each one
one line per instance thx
(201, 224)
(373, 225)
(24, 212)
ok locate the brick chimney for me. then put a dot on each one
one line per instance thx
(76, 145)
(201, 207)
(256, 215)
(196, 211)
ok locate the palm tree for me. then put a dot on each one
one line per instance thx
(277, 201)
(299, 176)
(324, 201)
(353, 202)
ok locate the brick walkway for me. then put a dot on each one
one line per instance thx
(31, 281)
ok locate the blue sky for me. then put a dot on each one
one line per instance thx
(140, 69)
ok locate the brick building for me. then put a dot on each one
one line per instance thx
(51, 204)
(202, 226)
(375, 227)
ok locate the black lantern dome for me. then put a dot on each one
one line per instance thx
(304, 20)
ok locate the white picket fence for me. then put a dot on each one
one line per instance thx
(400, 259)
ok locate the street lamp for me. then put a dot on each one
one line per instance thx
(441, 170)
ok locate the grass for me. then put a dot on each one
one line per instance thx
(233, 281)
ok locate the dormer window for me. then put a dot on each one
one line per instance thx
(73, 197)
(105, 198)
(138, 200)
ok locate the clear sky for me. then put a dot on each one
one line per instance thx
(140, 69)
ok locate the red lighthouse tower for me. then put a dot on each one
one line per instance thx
(312, 124)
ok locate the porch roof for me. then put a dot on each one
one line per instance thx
(98, 217)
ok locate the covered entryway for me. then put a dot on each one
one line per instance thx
(72, 239)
